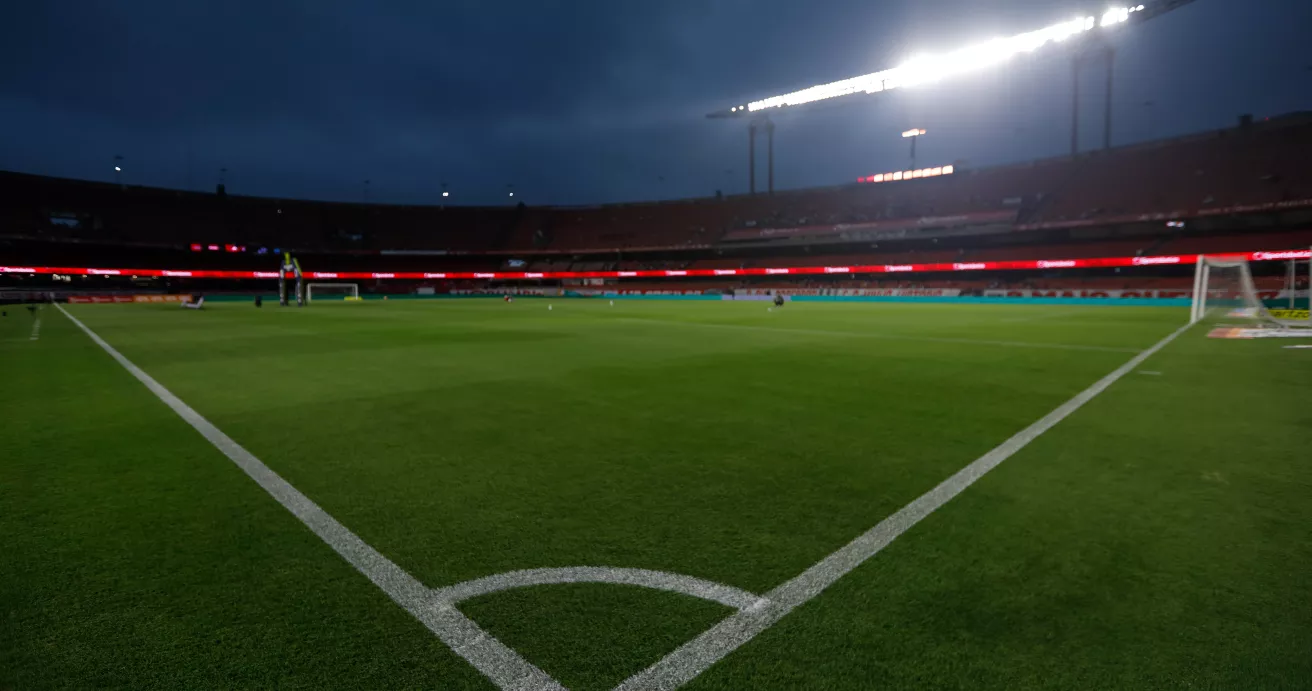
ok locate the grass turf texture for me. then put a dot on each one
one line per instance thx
(1158, 537)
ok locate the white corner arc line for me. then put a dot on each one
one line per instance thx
(503, 666)
(726, 595)
(697, 655)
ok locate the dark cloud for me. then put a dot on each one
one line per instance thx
(579, 101)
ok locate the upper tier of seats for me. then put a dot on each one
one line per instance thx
(1247, 166)
(1254, 165)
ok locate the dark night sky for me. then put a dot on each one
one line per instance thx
(583, 101)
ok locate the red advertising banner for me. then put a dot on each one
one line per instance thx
(127, 298)
(1175, 259)
(99, 299)
(161, 298)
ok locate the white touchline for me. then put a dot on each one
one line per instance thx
(36, 330)
(697, 655)
(499, 663)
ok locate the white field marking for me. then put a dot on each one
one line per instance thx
(894, 337)
(1150, 372)
(1297, 347)
(36, 330)
(697, 655)
(657, 580)
(497, 662)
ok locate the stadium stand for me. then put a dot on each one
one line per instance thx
(1241, 189)
(1252, 165)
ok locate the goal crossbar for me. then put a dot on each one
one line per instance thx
(1227, 281)
(347, 291)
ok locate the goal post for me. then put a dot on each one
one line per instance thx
(1225, 283)
(330, 291)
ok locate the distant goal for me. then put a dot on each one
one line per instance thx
(331, 291)
(1224, 288)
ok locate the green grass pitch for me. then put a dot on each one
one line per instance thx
(1159, 537)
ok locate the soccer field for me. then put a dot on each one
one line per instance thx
(754, 492)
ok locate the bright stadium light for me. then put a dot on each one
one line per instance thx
(908, 174)
(912, 133)
(1115, 16)
(117, 169)
(926, 69)
(446, 194)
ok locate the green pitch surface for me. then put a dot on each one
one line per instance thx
(1159, 536)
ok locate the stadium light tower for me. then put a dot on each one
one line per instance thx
(762, 121)
(932, 68)
(913, 134)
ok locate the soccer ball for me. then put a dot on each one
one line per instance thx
(769, 309)
(548, 308)
(612, 303)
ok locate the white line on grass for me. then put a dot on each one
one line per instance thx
(36, 330)
(697, 655)
(491, 657)
(892, 337)
(436, 608)
(728, 596)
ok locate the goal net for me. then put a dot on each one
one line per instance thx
(1224, 288)
(331, 291)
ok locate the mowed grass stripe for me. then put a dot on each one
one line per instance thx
(469, 439)
(898, 337)
(1155, 540)
(137, 557)
(500, 664)
(753, 456)
(700, 654)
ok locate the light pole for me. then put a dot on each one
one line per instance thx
(913, 135)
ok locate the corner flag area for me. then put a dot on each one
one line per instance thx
(651, 494)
